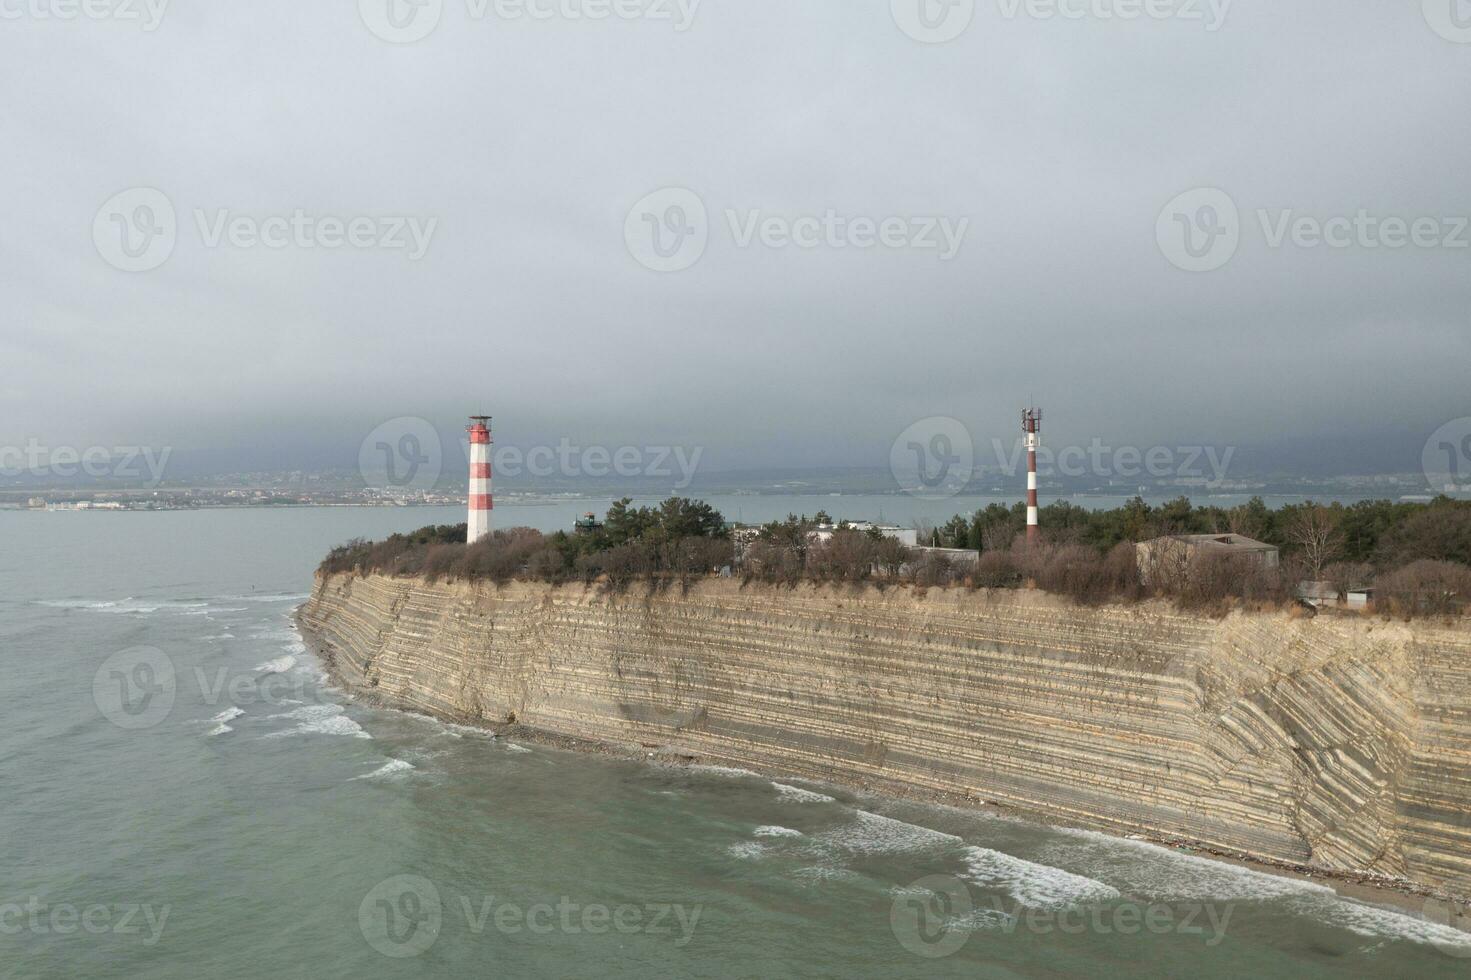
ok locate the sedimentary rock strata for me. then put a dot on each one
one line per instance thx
(1343, 743)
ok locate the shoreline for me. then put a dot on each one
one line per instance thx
(1398, 893)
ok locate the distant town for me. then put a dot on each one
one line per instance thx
(338, 488)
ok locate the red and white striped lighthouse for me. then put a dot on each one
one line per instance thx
(481, 499)
(1032, 426)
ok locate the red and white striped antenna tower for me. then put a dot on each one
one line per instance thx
(1032, 426)
(482, 501)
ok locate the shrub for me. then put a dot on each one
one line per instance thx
(995, 570)
(1425, 587)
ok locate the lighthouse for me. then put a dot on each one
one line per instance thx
(481, 499)
(1032, 426)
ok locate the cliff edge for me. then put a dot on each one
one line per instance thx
(1337, 743)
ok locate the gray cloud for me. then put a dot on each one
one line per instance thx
(529, 141)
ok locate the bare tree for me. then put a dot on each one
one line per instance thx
(1314, 530)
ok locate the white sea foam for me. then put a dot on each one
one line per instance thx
(726, 771)
(1374, 922)
(796, 794)
(746, 850)
(771, 830)
(513, 747)
(392, 767)
(278, 666)
(975, 920)
(826, 872)
(221, 721)
(870, 833)
(130, 605)
(320, 719)
(254, 597)
(1037, 886)
(77, 603)
(1159, 873)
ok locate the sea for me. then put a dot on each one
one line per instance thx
(184, 794)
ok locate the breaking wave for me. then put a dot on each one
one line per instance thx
(320, 719)
(389, 768)
(796, 794)
(1037, 886)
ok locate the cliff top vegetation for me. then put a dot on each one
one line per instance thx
(1416, 556)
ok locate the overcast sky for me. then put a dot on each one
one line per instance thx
(519, 149)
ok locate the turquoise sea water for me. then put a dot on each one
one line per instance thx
(181, 795)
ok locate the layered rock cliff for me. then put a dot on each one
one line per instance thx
(1341, 743)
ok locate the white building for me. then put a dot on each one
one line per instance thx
(907, 536)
